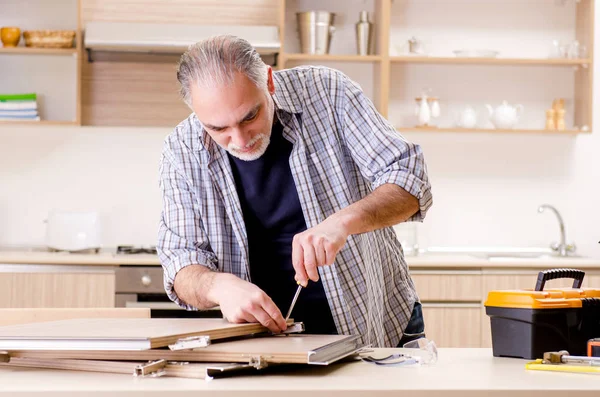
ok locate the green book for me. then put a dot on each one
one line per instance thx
(17, 97)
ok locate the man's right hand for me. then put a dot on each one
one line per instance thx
(243, 302)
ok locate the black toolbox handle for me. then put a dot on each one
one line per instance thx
(553, 274)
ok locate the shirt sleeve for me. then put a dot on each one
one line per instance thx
(383, 154)
(182, 240)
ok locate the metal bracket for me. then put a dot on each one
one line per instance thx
(151, 369)
(191, 342)
(295, 328)
(258, 362)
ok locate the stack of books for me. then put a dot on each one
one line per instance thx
(17, 107)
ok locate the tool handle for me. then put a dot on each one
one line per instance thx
(552, 274)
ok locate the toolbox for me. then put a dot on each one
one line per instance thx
(526, 323)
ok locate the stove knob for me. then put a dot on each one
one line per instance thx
(146, 280)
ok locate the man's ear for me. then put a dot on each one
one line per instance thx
(270, 83)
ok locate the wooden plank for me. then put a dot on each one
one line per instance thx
(383, 70)
(37, 315)
(132, 94)
(119, 334)
(178, 370)
(38, 51)
(292, 349)
(79, 47)
(488, 130)
(210, 12)
(584, 80)
(491, 61)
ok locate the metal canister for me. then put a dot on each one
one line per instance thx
(315, 29)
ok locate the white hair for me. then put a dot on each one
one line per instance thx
(215, 61)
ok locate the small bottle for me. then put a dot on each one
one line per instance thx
(560, 119)
(364, 34)
(550, 126)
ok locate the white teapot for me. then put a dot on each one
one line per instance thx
(505, 116)
(467, 118)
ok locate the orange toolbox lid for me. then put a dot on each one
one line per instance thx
(538, 298)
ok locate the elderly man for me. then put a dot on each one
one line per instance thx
(287, 177)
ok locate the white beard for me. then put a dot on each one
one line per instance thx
(260, 142)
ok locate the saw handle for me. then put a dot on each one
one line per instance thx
(553, 274)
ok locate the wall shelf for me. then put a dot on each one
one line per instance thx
(40, 122)
(143, 92)
(38, 51)
(488, 130)
(491, 61)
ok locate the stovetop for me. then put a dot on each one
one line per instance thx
(136, 249)
(120, 250)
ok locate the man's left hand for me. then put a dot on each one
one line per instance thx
(317, 246)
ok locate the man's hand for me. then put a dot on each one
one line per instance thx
(243, 302)
(317, 246)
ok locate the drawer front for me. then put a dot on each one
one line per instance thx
(139, 280)
(454, 286)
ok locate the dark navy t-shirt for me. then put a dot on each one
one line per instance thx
(273, 216)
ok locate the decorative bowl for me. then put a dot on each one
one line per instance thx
(10, 36)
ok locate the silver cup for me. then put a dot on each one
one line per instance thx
(315, 29)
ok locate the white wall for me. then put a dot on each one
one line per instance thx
(487, 187)
(110, 170)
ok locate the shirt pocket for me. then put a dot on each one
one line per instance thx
(328, 172)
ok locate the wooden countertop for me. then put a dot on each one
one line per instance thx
(8, 256)
(426, 261)
(458, 372)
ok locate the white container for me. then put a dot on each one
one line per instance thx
(73, 231)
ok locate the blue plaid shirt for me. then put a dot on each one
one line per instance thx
(343, 149)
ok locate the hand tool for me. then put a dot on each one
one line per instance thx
(563, 362)
(293, 302)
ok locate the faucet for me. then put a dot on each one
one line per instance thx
(562, 247)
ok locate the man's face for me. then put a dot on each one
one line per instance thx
(238, 117)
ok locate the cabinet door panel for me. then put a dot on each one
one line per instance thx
(447, 286)
(73, 290)
(453, 325)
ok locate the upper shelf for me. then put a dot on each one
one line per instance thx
(332, 58)
(491, 61)
(38, 51)
(494, 130)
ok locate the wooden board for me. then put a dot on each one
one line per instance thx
(283, 349)
(14, 316)
(118, 334)
(178, 370)
(200, 12)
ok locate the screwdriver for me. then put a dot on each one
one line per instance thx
(289, 313)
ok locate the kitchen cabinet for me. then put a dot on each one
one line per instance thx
(56, 286)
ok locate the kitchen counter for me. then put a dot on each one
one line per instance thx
(424, 261)
(458, 372)
(15, 256)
